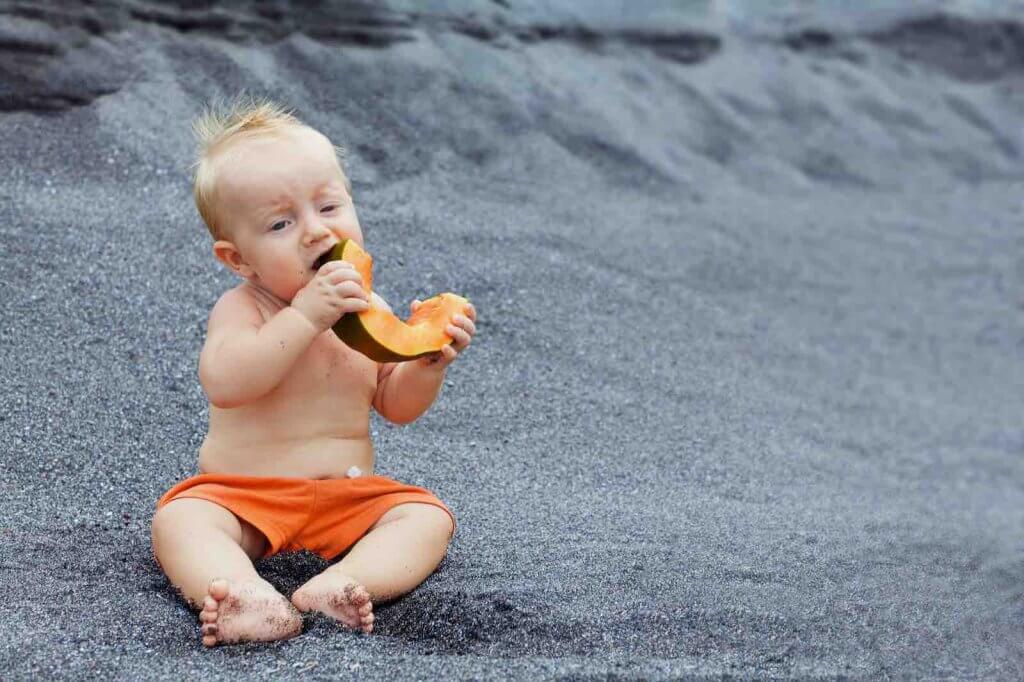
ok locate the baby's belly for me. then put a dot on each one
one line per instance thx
(293, 456)
(314, 424)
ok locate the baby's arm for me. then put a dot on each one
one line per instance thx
(406, 390)
(244, 358)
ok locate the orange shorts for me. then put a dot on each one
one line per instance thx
(326, 516)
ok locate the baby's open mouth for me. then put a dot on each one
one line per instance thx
(323, 258)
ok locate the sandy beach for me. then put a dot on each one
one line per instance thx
(745, 398)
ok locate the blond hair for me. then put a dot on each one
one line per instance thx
(220, 124)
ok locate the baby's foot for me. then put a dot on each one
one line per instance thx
(246, 612)
(340, 597)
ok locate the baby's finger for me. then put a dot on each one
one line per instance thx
(471, 312)
(448, 352)
(465, 323)
(350, 289)
(342, 274)
(334, 265)
(355, 305)
(459, 336)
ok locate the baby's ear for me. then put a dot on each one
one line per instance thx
(228, 254)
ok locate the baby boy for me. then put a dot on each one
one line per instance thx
(287, 463)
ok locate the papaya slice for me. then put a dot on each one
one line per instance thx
(378, 333)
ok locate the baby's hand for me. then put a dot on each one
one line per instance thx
(335, 290)
(461, 330)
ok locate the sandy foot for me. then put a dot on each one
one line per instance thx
(246, 612)
(338, 596)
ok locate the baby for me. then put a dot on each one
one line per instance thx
(287, 463)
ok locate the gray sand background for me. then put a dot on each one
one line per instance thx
(746, 394)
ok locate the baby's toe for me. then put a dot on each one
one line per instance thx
(209, 632)
(218, 588)
(356, 595)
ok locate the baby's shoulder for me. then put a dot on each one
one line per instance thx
(241, 306)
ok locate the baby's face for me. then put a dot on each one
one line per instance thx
(283, 201)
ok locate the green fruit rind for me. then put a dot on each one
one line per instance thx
(350, 329)
(353, 329)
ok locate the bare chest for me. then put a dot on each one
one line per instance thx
(330, 369)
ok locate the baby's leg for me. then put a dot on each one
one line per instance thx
(206, 552)
(396, 555)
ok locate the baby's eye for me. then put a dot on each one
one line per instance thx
(279, 225)
(328, 209)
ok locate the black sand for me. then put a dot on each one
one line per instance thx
(747, 390)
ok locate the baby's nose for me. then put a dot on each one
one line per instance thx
(316, 230)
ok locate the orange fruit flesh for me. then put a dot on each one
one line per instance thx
(380, 334)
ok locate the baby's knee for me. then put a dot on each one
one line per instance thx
(168, 523)
(164, 522)
(439, 520)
